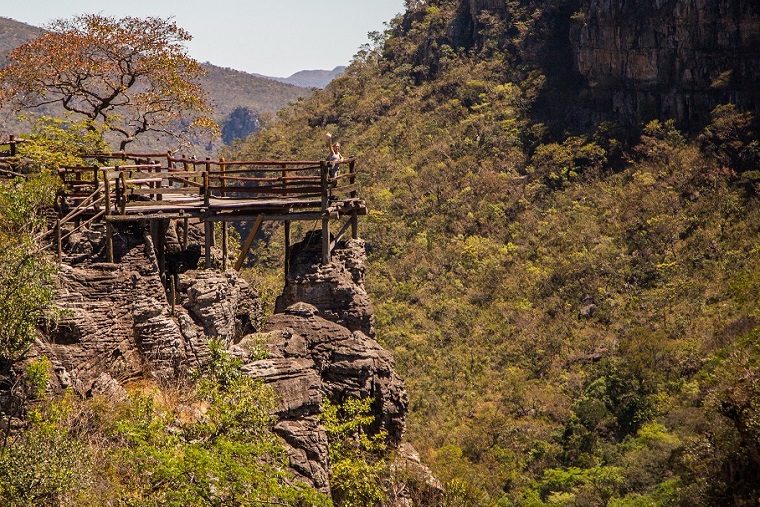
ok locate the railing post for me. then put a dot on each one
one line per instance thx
(222, 179)
(97, 186)
(325, 214)
(206, 189)
(284, 181)
(109, 225)
(354, 195)
(12, 144)
(122, 190)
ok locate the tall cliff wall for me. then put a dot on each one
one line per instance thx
(666, 58)
(619, 60)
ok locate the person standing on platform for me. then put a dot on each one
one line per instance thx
(334, 158)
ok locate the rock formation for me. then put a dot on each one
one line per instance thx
(620, 61)
(676, 59)
(118, 324)
(116, 318)
(336, 290)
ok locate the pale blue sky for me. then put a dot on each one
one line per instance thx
(274, 37)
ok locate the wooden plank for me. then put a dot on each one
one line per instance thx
(304, 179)
(271, 217)
(164, 191)
(151, 216)
(143, 181)
(185, 181)
(248, 242)
(270, 190)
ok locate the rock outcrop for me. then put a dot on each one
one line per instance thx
(336, 289)
(675, 59)
(116, 319)
(319, 346)
(616, 60)
(118, 325)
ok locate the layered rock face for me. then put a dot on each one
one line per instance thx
(117, 320)
(336, 290)
(320, 345)
(311, 358)
(623, 61)
(667, 59)
(118, 324)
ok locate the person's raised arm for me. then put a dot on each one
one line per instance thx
(330, 143)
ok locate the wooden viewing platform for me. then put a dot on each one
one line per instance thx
(123, 187)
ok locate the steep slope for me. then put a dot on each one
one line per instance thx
(14, 33)
(575, 317)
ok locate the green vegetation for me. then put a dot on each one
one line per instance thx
(575, 317)
(356, 455)
(207, 445)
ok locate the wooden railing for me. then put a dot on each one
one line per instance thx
(124, 187)
(152, 181)
(9, 148)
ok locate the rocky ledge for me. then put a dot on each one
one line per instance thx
(119, 323)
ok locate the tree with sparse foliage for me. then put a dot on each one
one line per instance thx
(131, 75)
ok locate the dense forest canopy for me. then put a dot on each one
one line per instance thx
(575, 316)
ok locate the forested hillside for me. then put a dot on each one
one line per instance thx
(575, 316)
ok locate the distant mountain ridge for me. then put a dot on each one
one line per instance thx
(228, 89)
(313, 78)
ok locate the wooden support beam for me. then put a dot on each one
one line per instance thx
(208, 237)
(248, 242)
(109, 241)
(287, 249)
(326, 241)
(161, 227)
(185, 232)
(225, 226)
(152, 216)
(172, 294)
(340, 234)
(293, 217)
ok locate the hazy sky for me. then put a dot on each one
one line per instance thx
(274, 37)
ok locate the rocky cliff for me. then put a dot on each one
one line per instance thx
(617, 60)
(667, 59)
(118, 325)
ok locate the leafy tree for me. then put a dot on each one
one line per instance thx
(355, 454)
(226, 456)
(131, 74)
(26, 277)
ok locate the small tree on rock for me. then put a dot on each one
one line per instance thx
(132, 74)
